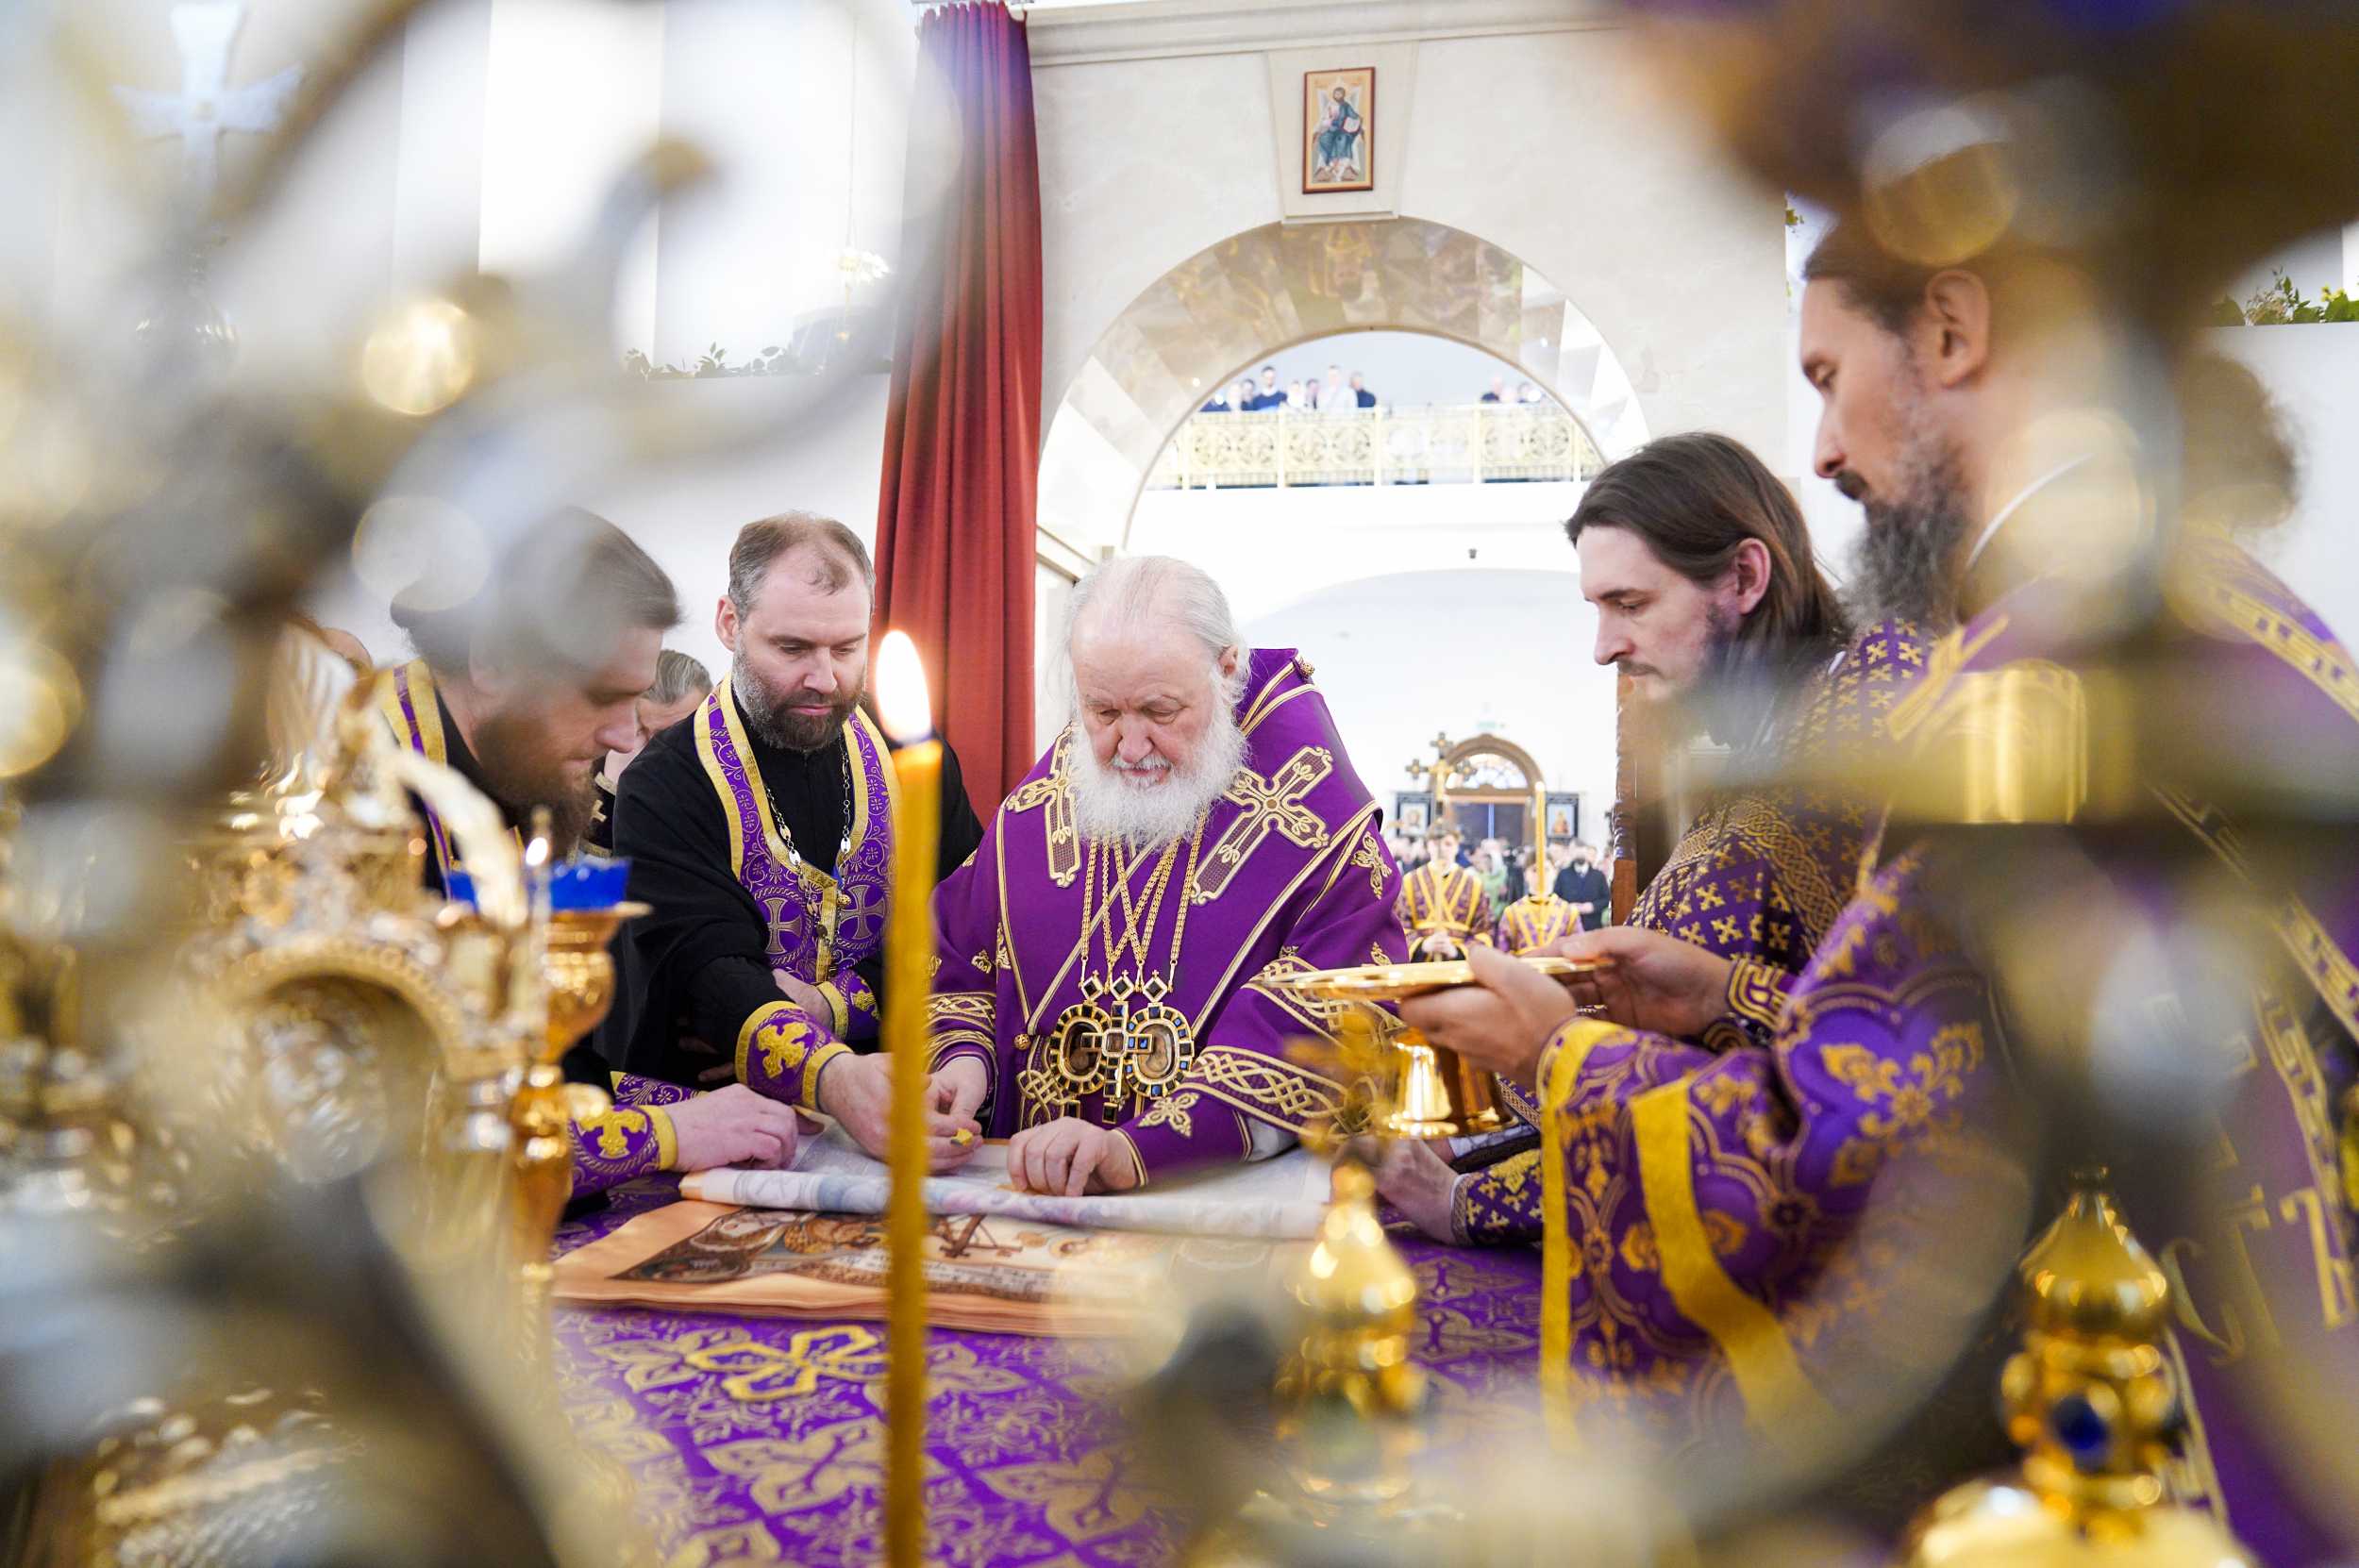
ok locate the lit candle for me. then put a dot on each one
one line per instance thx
(907, 714)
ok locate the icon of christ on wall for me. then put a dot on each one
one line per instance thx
(1339, 130)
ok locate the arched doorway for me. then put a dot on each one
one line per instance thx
(1255, 293)
(1233, 304)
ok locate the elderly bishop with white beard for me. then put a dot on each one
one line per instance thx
(1194, 831)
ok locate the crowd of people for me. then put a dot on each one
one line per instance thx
(1335, 392)
(1509, 872)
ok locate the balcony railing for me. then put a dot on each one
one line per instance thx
(1480, 443)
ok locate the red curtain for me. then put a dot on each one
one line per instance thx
(955, 543)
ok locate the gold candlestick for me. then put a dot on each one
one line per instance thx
(580, 978)
(908, 716)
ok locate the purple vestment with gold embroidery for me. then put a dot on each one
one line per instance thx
(1712, 1255)
(1760, 876)
(2268, 1272)
(1121, 987)
(820, 925)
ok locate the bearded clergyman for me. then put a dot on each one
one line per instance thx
(760, 830)
(1194, 832)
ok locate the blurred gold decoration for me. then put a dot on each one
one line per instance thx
(2131, 132)
(328, 962)
(2092, 1399)
(421, 360)
(1349, 1394)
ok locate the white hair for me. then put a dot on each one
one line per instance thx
(1135, 590)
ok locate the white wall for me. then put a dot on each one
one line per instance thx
(2313, 372)
(574, 94)
(1468, 651)
(688, 515)
(1271, 547)
(1451, 607)
(1540, 142)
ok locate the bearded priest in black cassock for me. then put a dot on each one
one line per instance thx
(760, 831)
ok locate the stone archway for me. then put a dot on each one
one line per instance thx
(1269, 288)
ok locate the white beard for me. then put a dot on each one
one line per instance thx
(1108, 808)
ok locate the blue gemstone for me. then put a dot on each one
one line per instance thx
(2083, 1433)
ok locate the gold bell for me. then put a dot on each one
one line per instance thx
(1436, 1094)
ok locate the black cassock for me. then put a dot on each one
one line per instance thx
(704, 951)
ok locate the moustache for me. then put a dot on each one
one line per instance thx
(1852, 487)
(1632, 668)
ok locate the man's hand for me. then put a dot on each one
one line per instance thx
(1502, 1021)
(806, 996)
(957, 1092)
(1071, 1157)
(733, 1125)
(1657, 982)
(1439, 949)
(1418, 1182)
(857, 1093)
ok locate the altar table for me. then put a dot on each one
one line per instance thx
(755, 1440)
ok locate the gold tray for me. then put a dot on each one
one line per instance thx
(1394, 982)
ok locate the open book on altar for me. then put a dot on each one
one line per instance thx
(809, 1242)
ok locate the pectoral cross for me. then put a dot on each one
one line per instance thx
(1272, 804)
(1147, 1040)
(206, 105)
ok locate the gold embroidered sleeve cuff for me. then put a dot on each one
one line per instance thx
(1184, 1131)
(781, 1052)
(1519, 1100)
(853, 1007)
(1499, 1204)
(620, 1145)
(632, 1090)
(1757, 992)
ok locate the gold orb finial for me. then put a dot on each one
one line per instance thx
(2094, 1403)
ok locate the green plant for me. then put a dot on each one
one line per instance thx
(2279, 302)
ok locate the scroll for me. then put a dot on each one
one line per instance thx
(1281, 1198)
(997, 1260)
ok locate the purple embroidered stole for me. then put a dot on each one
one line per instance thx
(819, 925)
(414, 715)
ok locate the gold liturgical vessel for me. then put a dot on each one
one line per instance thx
(2094, 1402)
(579, 974)
(1427, 1091)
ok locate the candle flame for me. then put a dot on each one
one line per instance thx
(902, 701)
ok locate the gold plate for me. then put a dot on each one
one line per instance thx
(1394, 982)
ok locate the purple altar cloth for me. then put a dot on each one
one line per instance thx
(754, 1440)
